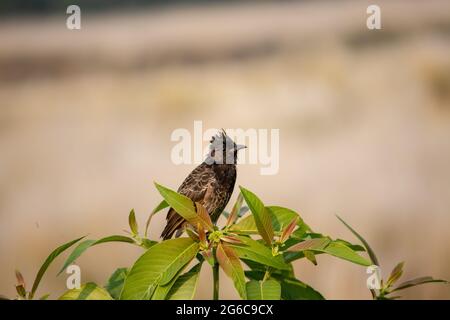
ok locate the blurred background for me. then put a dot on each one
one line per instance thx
(364, 118)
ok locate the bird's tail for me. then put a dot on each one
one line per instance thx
(174, 223)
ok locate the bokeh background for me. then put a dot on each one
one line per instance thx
(364, 119)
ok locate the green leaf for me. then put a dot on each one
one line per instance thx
(255, 251)
(261, 269)
(185, 286)
(416, 282)
(233, 239)
(132, 222)
(310, 256)
(235, 211)
(162, 205)
(115, 282)
(263, 290)
(288, 230)
(280, 217)
(246, 225)
(355, 247)
(261, 215)
(204, 217)
(208, 256)
(395, 274)
(83, 246)
(191, 233)
(55, 253)
(370, 252)
(311, 244)
(230, 263)
(293, 289)
(88, 291)
(180, 203)
(183, 206)
(157, 266)
(147, 243)
(290, 256)
(161, 291)
(340, 250)
(325, 245)
(302, 231)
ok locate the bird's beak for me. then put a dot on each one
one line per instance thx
(240, 146)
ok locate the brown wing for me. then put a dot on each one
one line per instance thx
(197, 186)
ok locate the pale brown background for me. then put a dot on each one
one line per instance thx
(364, 119)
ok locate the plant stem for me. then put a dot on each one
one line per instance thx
(216, 281)
(267, 274)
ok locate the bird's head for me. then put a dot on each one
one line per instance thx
(223, 150)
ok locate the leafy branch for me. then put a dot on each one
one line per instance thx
(386, 288)
(256, 248)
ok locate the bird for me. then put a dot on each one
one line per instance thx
(211, 183)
